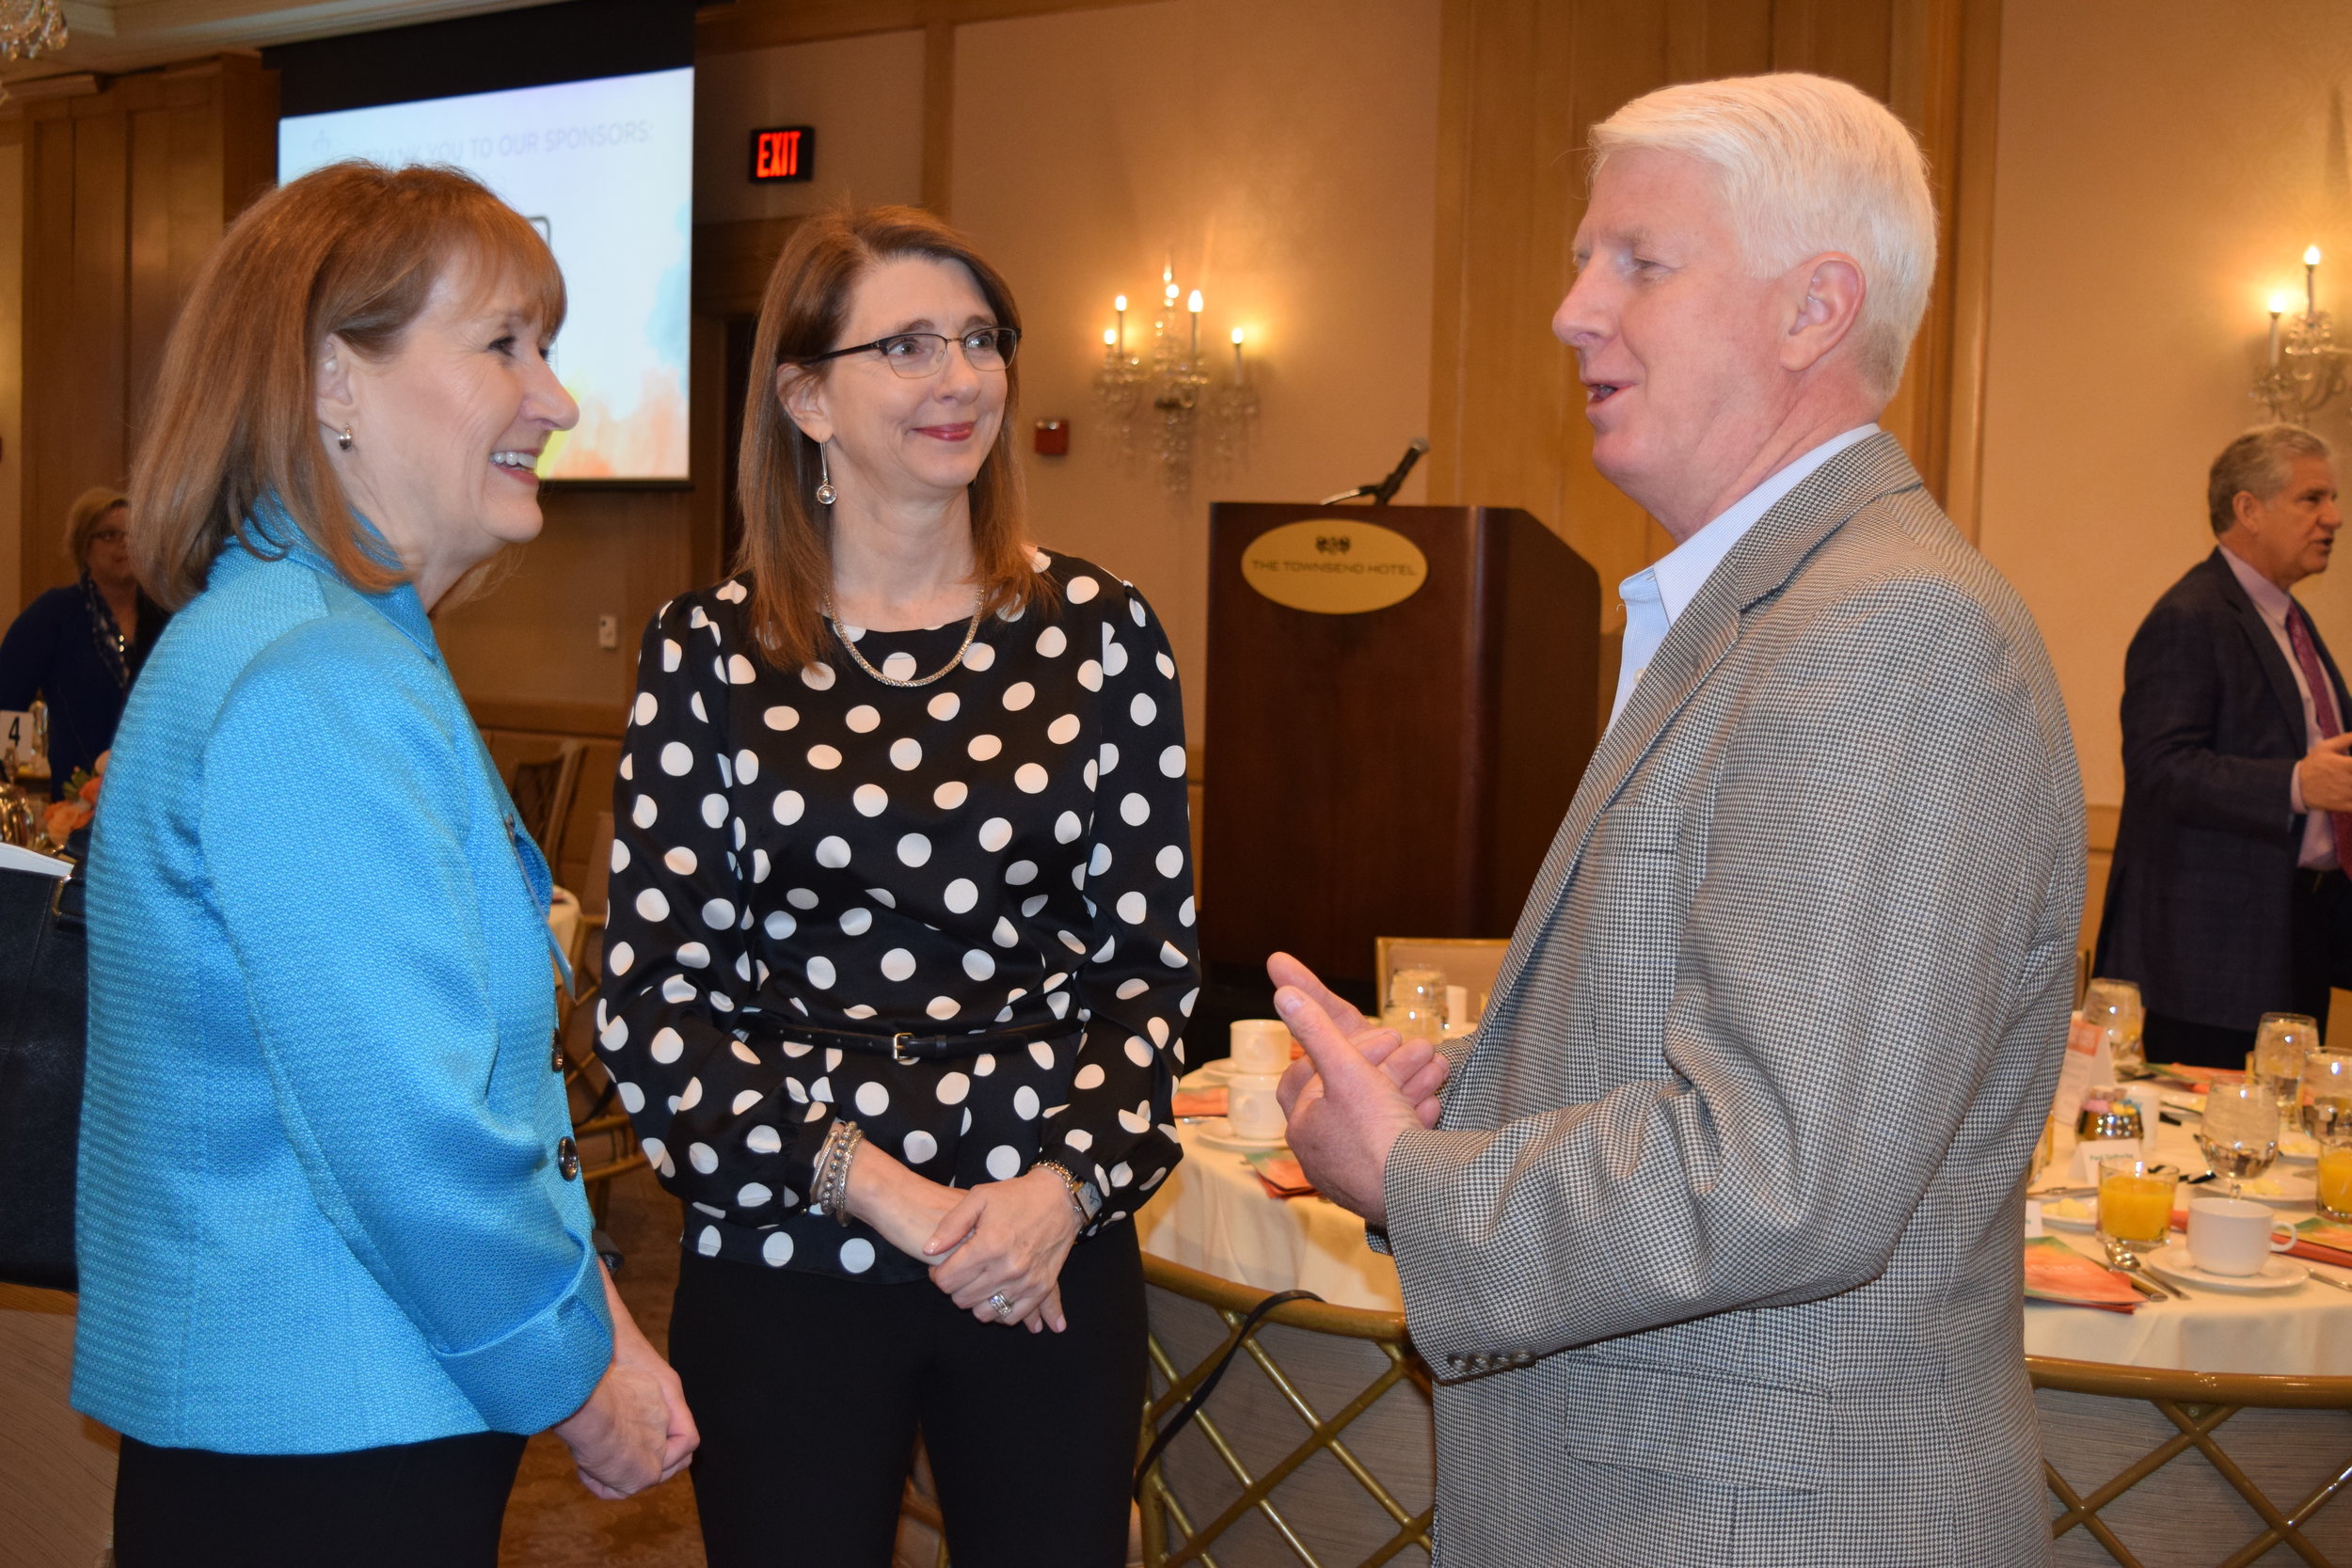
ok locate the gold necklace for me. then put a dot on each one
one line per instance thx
(940, 673)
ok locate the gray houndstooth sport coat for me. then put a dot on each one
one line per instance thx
(1715, 1251)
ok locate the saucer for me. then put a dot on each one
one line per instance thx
(1217, 1133)
(2276, 1273)
(1217, 1071)
(2069, 1214)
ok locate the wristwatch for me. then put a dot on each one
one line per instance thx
(1083, 1197)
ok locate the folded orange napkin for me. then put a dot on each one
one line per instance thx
(2056, 1272)
(1282, 1173)
(2323, 1240)
(1201, 1103)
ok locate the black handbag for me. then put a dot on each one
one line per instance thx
(44, 1019)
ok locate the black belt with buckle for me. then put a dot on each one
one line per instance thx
(906, 1047)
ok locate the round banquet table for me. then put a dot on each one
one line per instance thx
(1212, 1214)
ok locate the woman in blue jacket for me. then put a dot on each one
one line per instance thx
(335, 1256)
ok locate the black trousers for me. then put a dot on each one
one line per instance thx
(440, 1502)
(2316, 928)
(809, 1389)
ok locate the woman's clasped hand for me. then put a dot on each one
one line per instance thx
(1004, 1238)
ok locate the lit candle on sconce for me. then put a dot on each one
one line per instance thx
(2278, 309)
(1238, 354)
(1119, 304)
(1193, 304)
(1111, 337)
(2310, 282)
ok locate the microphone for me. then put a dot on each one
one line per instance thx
(1382, 490)
(1413, 449)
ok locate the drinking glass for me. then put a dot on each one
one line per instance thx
(2335, 1178)
(2114, 1005)
(2281, 1043)
(2240, 1134)
(2135, 1207)
(2327, 1096)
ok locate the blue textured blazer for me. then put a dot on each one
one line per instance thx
(319, 1204)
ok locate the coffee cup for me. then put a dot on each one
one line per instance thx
(1261, 1045)
(2233, 1235)
(1252, 1107)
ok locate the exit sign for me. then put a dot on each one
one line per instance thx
(782, 153)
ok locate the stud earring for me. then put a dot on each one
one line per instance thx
(343, 438)
(824, 478)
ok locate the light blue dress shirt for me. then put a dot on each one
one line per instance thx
(320, 1204)
(1657, 593)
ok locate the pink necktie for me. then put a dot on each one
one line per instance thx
(2323, 706)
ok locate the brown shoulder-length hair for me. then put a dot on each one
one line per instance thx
(353, 249)
(787, 546)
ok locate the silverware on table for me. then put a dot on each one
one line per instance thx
(2140, 1274)
(2329, 1280)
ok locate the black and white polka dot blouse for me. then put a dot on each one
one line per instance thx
(1004, 847)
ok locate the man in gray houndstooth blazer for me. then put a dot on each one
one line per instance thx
(1714, 1246)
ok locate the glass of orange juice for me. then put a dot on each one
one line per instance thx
(2134, 1206)
(2335, 1178)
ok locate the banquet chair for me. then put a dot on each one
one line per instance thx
(542, 792)
(608, 1143)
(1315, 1448)
(2149, 1468)
(1471, 962)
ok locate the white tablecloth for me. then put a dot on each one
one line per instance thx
(1214, 1215)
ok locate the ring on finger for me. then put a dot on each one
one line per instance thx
(1002, 1305)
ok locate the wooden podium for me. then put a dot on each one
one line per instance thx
(1401, 699)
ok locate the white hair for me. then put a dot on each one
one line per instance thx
(1806, 165)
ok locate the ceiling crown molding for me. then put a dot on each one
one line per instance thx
(131, 35)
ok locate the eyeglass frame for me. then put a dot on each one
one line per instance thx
(961, 341)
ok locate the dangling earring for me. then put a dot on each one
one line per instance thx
(824, 478)
(344, 438)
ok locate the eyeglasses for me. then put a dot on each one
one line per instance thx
(108, 536)
(916, 354)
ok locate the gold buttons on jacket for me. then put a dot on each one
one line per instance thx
(555, 1057)
(567, 1159)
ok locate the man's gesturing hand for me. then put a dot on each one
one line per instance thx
(1346, 1116)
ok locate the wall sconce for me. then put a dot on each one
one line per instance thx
(1171, 391)
(2306, 368)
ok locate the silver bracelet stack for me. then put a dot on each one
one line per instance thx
(829, 1189)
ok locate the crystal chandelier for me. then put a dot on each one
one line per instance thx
(30, 27)
(1174, 383)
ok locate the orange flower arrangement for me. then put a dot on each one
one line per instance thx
(66, 817)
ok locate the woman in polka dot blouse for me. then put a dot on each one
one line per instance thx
(902, 945)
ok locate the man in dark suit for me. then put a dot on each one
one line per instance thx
(2237, 788)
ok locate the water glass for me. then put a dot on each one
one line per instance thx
(2240, 1132)
(2328, 1095)
(1416, 1008)
(2281, 1043)
(2114, 1006)
(2134, 1206)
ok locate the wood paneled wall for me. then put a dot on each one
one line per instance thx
(1522, 83)
(129, 185)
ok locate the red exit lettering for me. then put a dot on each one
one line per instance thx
(782, 152)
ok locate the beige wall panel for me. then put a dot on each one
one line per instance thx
(865, 96)
(1287, 153)
(2163, 164)
(534, 636)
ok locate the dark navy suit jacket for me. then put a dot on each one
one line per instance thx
(2198, 902)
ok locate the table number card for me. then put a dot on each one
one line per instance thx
(17, 750)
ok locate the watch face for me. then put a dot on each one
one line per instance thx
(1090, 1200)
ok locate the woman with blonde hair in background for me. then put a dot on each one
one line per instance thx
(335, 1258)
(79, 647)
